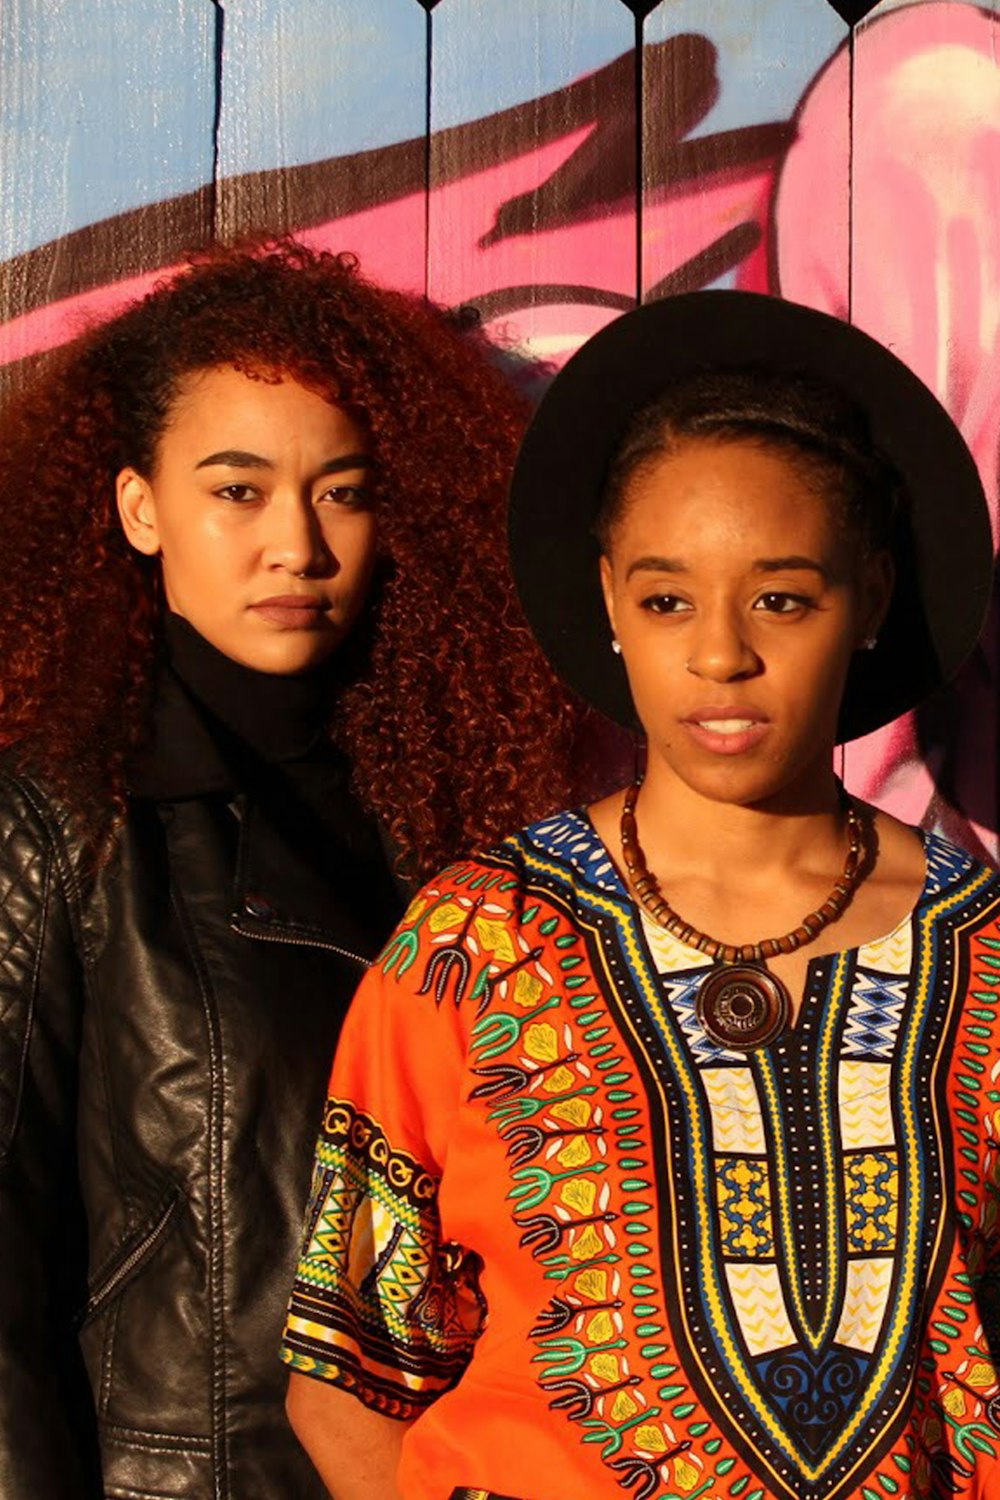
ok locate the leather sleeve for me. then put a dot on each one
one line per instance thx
(46, 1416)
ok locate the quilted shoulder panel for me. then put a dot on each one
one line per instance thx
(26, 865)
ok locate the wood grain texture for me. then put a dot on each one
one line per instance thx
(104, 108)
(532, 208)
(721, 89)
(322, 121)
(520, 156)
(925, 279)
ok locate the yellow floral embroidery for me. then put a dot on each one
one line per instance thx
(541, 1042)
(495, 939)
(527, 989)
(445, 917)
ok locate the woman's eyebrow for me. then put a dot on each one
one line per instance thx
(238, 458)
(789, 564)
(656, 565)
(345, 461)
(234, 458)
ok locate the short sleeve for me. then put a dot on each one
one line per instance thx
(381, 1305)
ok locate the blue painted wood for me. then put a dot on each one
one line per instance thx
(532, 210)
(766, 53)
(104, 106)
(322, 119)
(722, 85)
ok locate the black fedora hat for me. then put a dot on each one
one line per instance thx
(944, 554)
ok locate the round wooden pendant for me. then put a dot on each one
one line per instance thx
(743, 1006)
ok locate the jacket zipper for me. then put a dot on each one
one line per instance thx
(121, 1273)
(302, 942)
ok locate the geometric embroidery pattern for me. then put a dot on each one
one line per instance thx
(744, 1200)
(865, 1100)
(760, 1305)
(373, 1274)
(571, 836)
(680, 991)
(865, 1294)
(892, 954)
(745, 1267)
(947, 865)
(871, 1199)
(821, 1106)
(737, 1122)
(874, 1015)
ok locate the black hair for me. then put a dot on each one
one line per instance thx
(813, 421)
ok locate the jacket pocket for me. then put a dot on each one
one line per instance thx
(130, 1257)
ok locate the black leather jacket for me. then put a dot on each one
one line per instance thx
(167, 1019)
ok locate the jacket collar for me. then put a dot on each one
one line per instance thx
(276, 896)
(182, 759)
(213, 717)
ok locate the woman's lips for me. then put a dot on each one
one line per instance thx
(728, 730)
(291, 611)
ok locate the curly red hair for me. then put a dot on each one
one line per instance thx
(455, 725)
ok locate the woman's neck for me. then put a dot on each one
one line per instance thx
(722, 840)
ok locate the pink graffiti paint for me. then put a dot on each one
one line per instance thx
(922, 274)
(925, 177)
(379, 236)
(57, 322)
(592, 252)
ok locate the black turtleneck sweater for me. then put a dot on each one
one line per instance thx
(223, 729)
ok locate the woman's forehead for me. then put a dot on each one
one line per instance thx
(742, 484)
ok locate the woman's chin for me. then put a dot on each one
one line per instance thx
(751, 780)
(282, 653)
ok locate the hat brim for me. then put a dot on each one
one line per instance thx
(944, 555)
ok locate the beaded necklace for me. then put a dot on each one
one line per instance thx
(741, 1005)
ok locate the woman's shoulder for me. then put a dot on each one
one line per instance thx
(563, 847)
(948, 861)
(903, 849)
(37, 818)
(26, 801)
(960, 890)
(489, 916)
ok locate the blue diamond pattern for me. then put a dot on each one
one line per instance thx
(873, 1019)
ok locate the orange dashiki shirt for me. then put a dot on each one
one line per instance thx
(597, 1256)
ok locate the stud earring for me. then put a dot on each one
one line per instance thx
(616, 645)
(869, 643)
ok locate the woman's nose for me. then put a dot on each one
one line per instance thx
(721, 650)
(295, 539)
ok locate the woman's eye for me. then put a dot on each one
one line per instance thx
(665, 604)
(239, 493)
(347, 494)
(783, 604)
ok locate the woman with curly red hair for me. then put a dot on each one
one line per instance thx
(259, 652)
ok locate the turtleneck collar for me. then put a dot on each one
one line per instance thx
(220, 728)
(279, 717)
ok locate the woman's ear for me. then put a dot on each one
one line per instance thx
(137, 511)
(607, 589)
(880, 577)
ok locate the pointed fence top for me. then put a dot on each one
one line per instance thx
(853, 11)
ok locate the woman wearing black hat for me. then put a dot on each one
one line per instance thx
(674, 1167)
